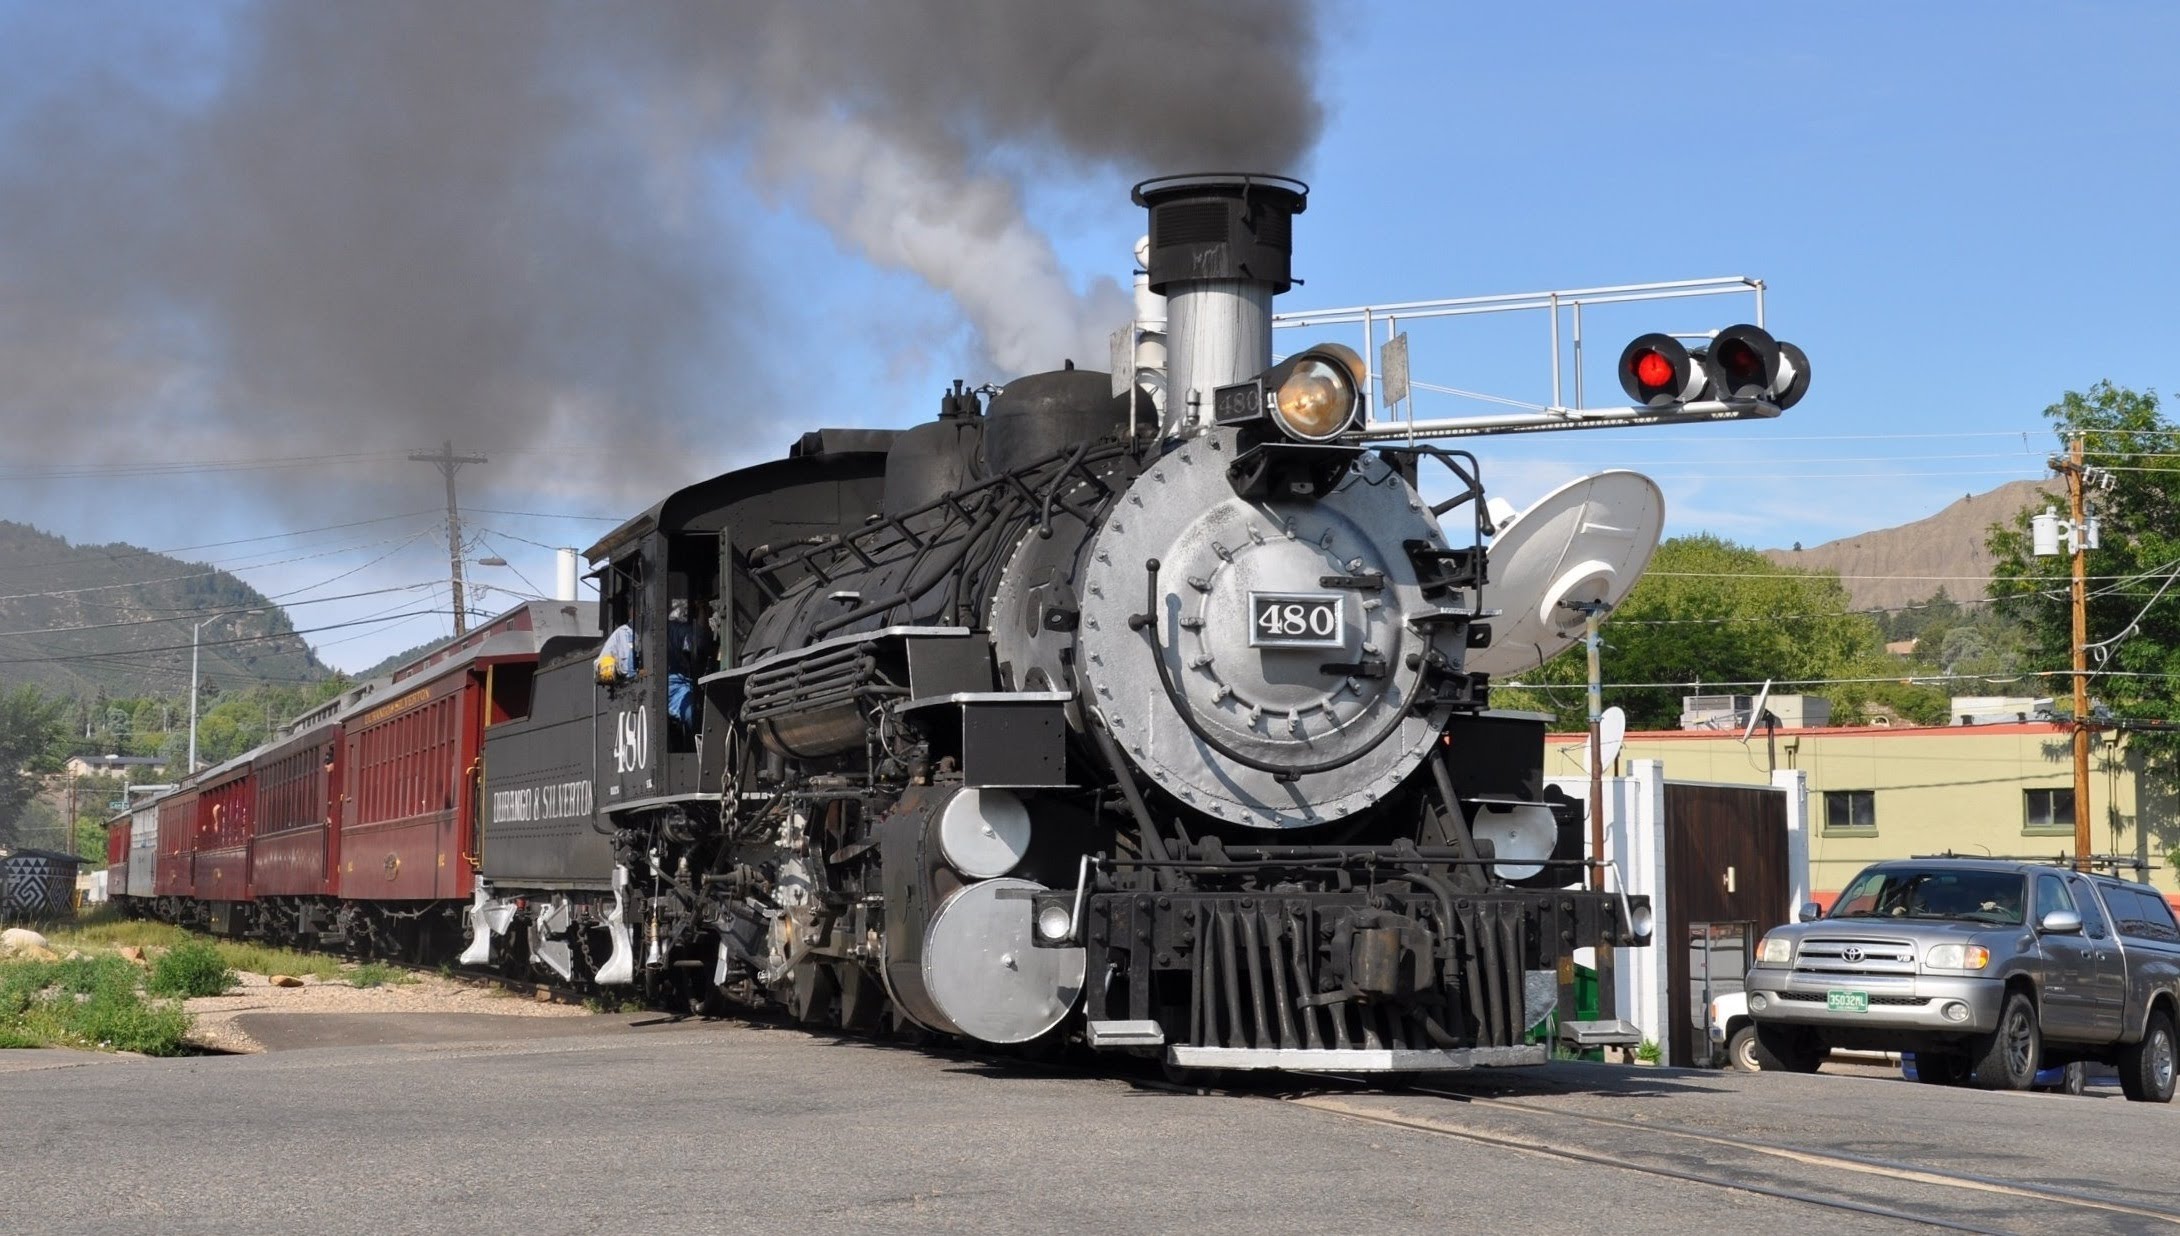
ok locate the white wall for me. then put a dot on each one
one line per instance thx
(1634, 810)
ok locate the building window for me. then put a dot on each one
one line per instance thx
(2048, 811)
(1850, 811)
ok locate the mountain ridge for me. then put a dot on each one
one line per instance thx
(118, 619)
(1887, 568)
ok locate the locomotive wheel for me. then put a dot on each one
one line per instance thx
(812, 993)
(862, 1001)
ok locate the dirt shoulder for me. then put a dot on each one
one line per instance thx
(224, 1023)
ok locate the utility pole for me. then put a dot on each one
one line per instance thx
(2080, 537)
(448, 464)
(1593, 613)
(2081, 659)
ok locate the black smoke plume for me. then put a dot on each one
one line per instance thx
(295, 226)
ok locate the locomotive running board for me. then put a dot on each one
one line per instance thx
(1357, 1059)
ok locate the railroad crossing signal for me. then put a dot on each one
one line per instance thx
(1738, 363)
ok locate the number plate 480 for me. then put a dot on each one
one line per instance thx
(1296, 620)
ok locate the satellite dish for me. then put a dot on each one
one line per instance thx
(1611, 732)
(1586, 541)
(1756, 713)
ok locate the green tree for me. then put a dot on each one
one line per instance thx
(1710, 611)
(31, 726)
(2133, 630)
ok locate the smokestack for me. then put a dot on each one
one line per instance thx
(1219, 251)
(564, 578)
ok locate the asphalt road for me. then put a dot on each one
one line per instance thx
(723, 1127)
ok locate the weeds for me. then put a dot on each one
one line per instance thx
(192, 968)
(89, 1002)
(378, 974)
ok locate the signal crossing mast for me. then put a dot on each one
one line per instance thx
(448, 464)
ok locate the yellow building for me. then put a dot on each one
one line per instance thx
(2005, 790)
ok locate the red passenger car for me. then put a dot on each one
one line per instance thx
(226, 821)
(175, 875)
(117, 856)
(409, 808)
(297, 853)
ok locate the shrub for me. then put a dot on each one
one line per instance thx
(89, 1002)
(193, 968)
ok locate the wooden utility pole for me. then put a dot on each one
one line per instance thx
(2079, 543)
(448, 464)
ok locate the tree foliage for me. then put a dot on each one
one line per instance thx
(1710, 611)
(2133, 631)
(31, 724)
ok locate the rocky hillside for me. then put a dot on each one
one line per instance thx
(78, 619)
(1947, 544)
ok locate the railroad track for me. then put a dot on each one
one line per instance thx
(1852, 1184)
(1841, 1182)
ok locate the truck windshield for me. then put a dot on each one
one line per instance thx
(1993, 897)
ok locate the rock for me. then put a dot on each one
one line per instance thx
(19, 939)
(131, 952)
(543, 996)
(36, 952)
(283, 980)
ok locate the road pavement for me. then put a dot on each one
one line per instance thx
(642, 1125)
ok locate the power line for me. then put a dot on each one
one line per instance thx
(223, 570)
(179, 549)
(139, 468)
(600, 519)
(223, 643)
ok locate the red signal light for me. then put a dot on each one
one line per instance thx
(1746, 359)
(1656, 370)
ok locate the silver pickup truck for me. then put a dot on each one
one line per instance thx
(1986, 970)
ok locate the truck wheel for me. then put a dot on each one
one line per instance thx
(2146, 1068)
(1741, 1051)
(1787, 1049)
(2007, 1058)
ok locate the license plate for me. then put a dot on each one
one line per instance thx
(1296, 620)
(1847, 1001)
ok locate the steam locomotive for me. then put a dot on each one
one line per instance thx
(1134, 712)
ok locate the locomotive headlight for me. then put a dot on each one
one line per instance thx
(1316, 393)
(1316, 401)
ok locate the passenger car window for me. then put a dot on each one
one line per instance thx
(2092, 917)
(2051, 895)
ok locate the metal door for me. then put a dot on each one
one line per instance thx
(2069, 964)
(1725, 862)
(2105, 994)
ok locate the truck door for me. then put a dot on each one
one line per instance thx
(2069, 972)
(2107, 990)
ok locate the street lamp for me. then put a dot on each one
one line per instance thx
(195, 638)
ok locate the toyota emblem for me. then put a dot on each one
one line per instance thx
(1851, 953)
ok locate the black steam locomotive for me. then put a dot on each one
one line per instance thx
(1069, 713)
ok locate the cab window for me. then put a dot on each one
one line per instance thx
(2092, 918)
(2051, 895)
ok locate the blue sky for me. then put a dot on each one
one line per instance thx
(1960, 210)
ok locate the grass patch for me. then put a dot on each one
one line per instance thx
(87, 1002)
(193, 968)
(377, 974)
(266, 959)
(108, 930)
